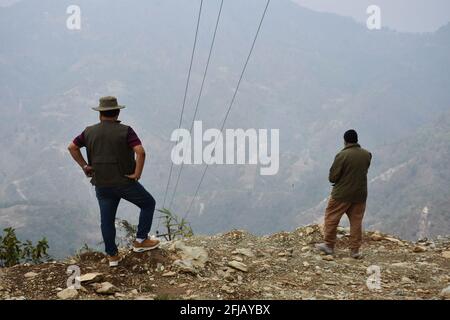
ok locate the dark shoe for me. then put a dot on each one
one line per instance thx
(114, 260)
(355, 254)
(147, 244)
(323, 247)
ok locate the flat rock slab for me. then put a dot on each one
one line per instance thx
(244, 251)
(67, 293)
(445, 293)
(106, 288)
(238, 265)
(198, 255)
(90, 277)
(30, 275)
(185, 266)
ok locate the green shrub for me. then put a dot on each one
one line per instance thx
(175, 227)
(129, 230)
(13, 251)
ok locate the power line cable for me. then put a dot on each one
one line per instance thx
(231, 104)
(184, 100)
(199, 95)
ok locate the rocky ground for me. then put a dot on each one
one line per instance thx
(238, 265)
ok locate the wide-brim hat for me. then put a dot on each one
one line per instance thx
(108, 103)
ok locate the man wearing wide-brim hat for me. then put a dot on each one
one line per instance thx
(115, 163)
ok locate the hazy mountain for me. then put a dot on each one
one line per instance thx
(313, 75)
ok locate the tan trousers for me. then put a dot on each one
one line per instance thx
(334, 213)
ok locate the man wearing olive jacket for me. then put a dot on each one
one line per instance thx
(348, 174)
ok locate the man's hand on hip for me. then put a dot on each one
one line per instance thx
(88, 170)
(133, 176)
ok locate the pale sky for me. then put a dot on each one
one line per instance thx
(400, 15)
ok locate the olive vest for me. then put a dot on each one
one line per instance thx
(109, 154)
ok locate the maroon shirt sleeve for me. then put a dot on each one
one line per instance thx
(132, 138)
(79, 141)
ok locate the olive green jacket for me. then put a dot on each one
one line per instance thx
(348, 174)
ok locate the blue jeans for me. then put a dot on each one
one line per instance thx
(108, 200)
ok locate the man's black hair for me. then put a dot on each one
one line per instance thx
(110, 113)
(350, 136)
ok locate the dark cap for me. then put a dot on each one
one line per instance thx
(350, 136)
